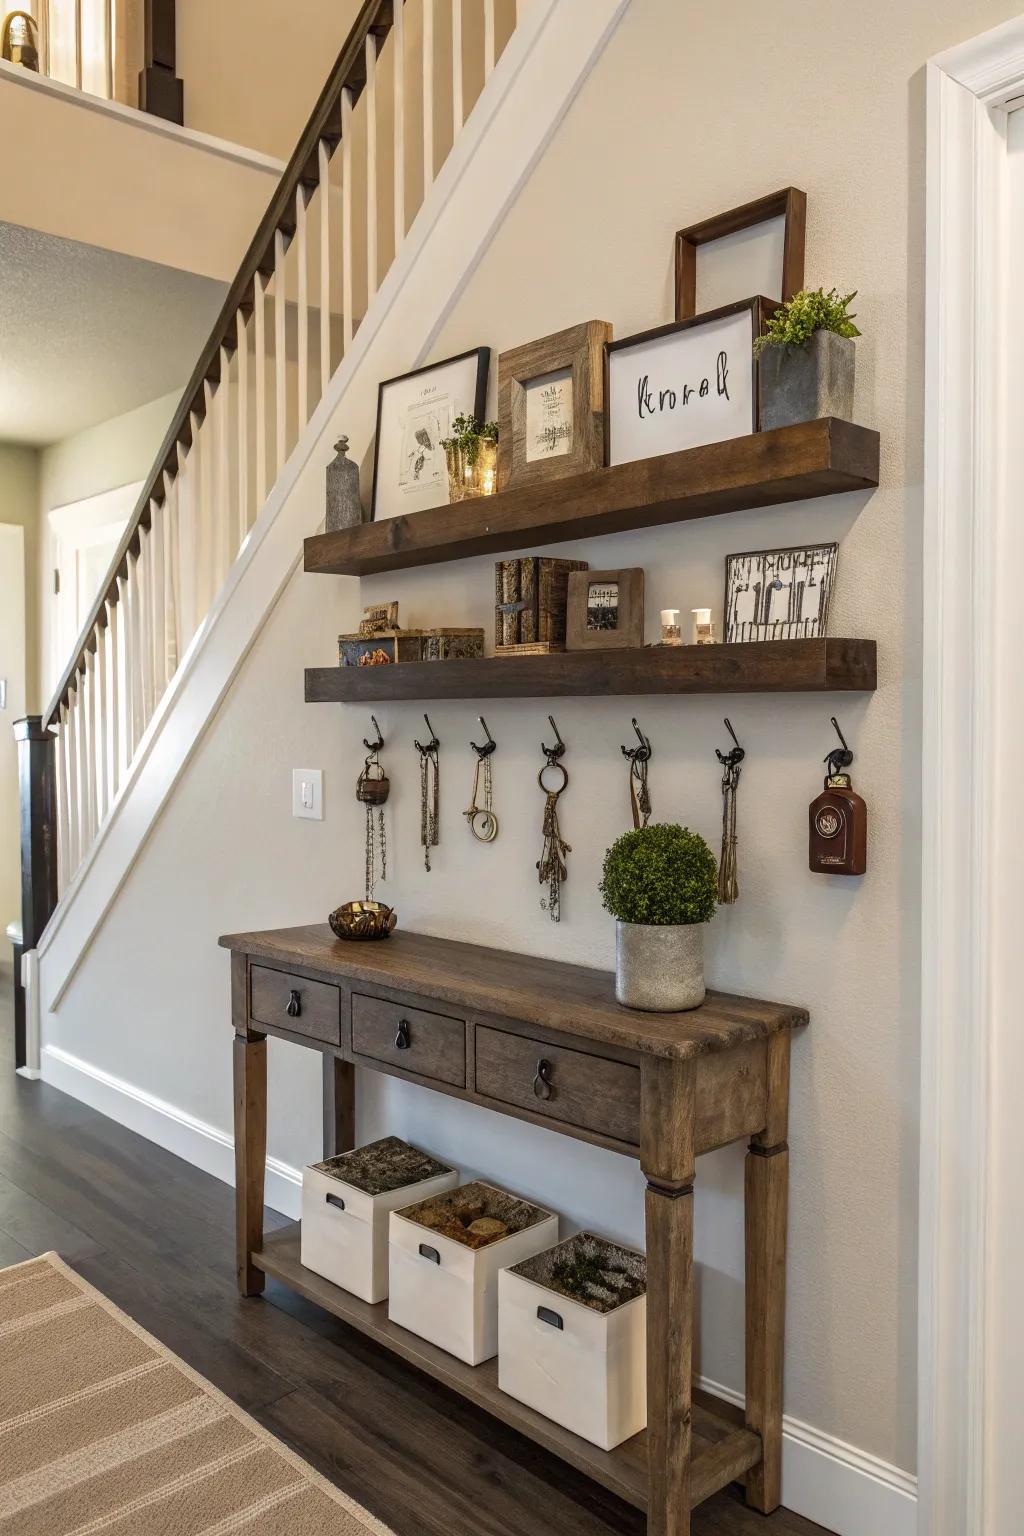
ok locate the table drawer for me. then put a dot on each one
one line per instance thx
(571, 1086)
(291, 1002)
(428, 1044)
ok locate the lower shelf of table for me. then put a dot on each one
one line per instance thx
(723, 1450)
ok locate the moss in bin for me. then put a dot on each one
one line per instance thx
(382, 1166)
(591, 1270)
(494, 1212)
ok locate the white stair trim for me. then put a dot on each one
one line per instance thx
(543, 66)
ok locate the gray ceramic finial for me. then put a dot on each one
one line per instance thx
(344, 507)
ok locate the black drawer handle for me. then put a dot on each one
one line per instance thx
(294, 1004)
(402, 1041)
(542, 1084)
(432, 1254)
(335, 1200)
(545, 1315)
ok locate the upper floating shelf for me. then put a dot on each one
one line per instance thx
(816, 458)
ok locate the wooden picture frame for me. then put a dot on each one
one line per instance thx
(749, 620)
(582, 633)
(673, 395)
(789, 203)
(443, 390)
(568, 367)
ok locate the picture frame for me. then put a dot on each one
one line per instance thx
(605, 610)
(780, 582)
(789, 203)
(551, 405)
(415, 412)
(685, 384)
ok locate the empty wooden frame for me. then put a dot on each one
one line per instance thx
(790, 204)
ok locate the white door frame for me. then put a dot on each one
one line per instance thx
(969, 88)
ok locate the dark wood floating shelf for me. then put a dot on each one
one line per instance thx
(772, 666)
(723, 1449)
(816, 458)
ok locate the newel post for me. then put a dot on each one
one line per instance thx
(161, 93)
(37, 774)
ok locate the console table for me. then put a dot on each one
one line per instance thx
(546, 1042)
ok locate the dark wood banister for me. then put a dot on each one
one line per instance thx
(376, 16)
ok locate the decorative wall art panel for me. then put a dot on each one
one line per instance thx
(779, 594)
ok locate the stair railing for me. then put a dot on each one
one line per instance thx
(404, 83)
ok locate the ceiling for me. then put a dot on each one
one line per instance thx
(87, 334)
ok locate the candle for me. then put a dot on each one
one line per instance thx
(670, 631)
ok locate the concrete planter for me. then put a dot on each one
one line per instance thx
(659, 969)
(805, 383)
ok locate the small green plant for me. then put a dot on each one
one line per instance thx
(806, 312)
(467, 435)
(659, 875)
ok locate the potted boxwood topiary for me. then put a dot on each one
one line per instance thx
(660, 883)
(807, 359)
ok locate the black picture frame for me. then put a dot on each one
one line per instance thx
(483, 361)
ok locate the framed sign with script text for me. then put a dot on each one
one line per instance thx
(683, 385)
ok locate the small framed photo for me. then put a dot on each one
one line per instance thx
(551, 406)
(685, 384)
(606, 610)
(414, 414)
(779, 594)
(789, 205)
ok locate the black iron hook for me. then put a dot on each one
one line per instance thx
(839, 757)
(374, 746)
(432, 745)
(736, 754)
(489, 746)
(644, 752)
(553, 753)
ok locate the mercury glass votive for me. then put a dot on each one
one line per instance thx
(472, 471)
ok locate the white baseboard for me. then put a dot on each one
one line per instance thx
(846, 1490)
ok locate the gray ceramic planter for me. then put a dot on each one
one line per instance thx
(659, 969)
(804, 383)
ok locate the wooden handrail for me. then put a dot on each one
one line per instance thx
(324, 126)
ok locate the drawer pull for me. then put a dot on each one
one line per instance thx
(545, 1315)
(432, 1254)
(402, 1041)
(294, 1004)
(542, 1085)
(335, 1200)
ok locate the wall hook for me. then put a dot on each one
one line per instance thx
(839, 757)
(553, 753)
(490, 744)
(374, 746)
(644, 752)
(433, 744)
(736, 753)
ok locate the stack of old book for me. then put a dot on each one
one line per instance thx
(530, 598)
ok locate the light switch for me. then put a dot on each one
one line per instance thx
(308, 793)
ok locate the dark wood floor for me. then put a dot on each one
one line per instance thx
(155, 1235)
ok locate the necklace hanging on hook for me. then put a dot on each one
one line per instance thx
(372, 790)
(483, 823)
(430, 793)
(638, 758)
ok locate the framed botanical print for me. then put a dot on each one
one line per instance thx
(606, 610)
(685, 384)
(551, 406)
(779, 594)
(414, 414)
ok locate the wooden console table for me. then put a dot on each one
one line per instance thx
(546, 1042)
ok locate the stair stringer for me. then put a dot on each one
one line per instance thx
(547, 59)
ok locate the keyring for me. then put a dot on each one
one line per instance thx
(488, 821)
(559, 768)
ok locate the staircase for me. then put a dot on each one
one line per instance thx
(429, 122)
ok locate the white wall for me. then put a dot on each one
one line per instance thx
(19, 504)
(673, 125)
(12, 670)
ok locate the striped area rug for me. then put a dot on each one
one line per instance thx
(104, 1430)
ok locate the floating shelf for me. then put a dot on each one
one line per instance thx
(722, 1448)
(816, 458)
(771, 666)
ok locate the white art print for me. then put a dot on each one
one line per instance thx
(414, 415)
(549, 416)
(682, 386)
(779, 594)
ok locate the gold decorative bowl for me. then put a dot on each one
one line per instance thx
(363, 920)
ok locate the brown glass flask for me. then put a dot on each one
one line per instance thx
(838, 823)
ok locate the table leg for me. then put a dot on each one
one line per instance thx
(250, 1066)
(339, 1106)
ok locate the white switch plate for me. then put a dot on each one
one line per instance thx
(308, 793)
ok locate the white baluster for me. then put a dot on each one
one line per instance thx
(398, 59)
(102, 721)
(78, 43)
(108, 46)
(428, 95)
(143, 593)
(206, 583)
(172, 581)
(74, 815)
(158, 628)
(262, 446)
(458, 106)
(302, 258)
(130, 646)
(63, 819)
(370, 100)
(118, 673)
(489, 39)
(89, 751)
(324, 164)
(348, 319)
(225, 437)
(191, 581)
(280, 353)
(242, 353)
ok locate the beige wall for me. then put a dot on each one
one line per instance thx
(18, 514)
(19, 503)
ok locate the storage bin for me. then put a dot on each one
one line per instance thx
(582, 1363)
(446, 1291)
(346, 1202)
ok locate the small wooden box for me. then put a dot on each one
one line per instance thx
(530, 597)
(397, 645)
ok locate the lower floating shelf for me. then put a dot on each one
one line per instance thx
(771, 666)
(723, 1450)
